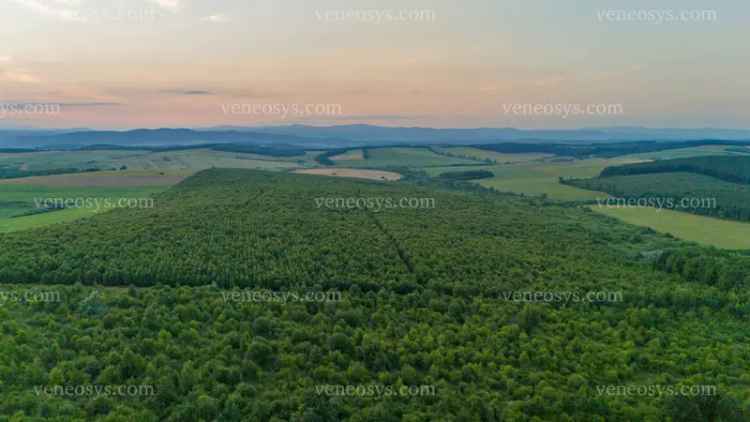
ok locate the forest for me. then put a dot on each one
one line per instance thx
(689, 192)
(144, 302)
(277, 150)
(13, 173)
(466, 175)
(600, 149)
(734, 169)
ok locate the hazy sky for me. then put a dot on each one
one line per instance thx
(441, 63)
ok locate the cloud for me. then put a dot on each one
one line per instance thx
(58, 9)
(171, 5)
(20, 77)
(218, 18)
(90, 104)
(186, 92)
(6, 59)
(380, 117)
(63, 104)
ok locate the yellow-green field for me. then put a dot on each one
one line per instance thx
(484, 155)
(542, 178)
(705, 230)
(683, 153)
(404, 157)
(20, 196)
(41, 220)
(194, 159)
(202, 159)
(354, 154)
(137, 174)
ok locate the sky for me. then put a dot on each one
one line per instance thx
(541, 64)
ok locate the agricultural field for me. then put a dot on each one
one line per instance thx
(189, 159)
(355, 173)
(490, 156)
(404, 157)
(47, 160)
(351, 155)
(202, 159)
(704, 230)
(734, 169)
(687, 192)
(701, 151)
(22, 200)
(129, 178)
(540, 178)
(739, 149)
(137, 174)
(150, 172)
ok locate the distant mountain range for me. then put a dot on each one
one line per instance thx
(350, 135)
(154, 137)
(380, 134)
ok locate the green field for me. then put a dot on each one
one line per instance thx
(201, 159)
(734, 169)
(540, 178)
(46, 160)
(492, 156)
(404, 157)
(349, 155)
(159, 168)
(708, 150)
(687, 192)
(704, 230)
(191, 159)
(18, 199)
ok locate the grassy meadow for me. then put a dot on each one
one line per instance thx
(404, 157)
(128, 174)
(704, 230)
(191, 159)
(486, 155)
(707, 150)
(541, 178)
(19, 199)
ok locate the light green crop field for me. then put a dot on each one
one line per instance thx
(538, 186)
(147, 173)
(201, 159)
(404, 157)
(496, 157)
(40, 220)
(21, 196)
(705, 230)
(542, 178)
(350, 155)
(195, 160)
(46, 160)
(707, 150)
